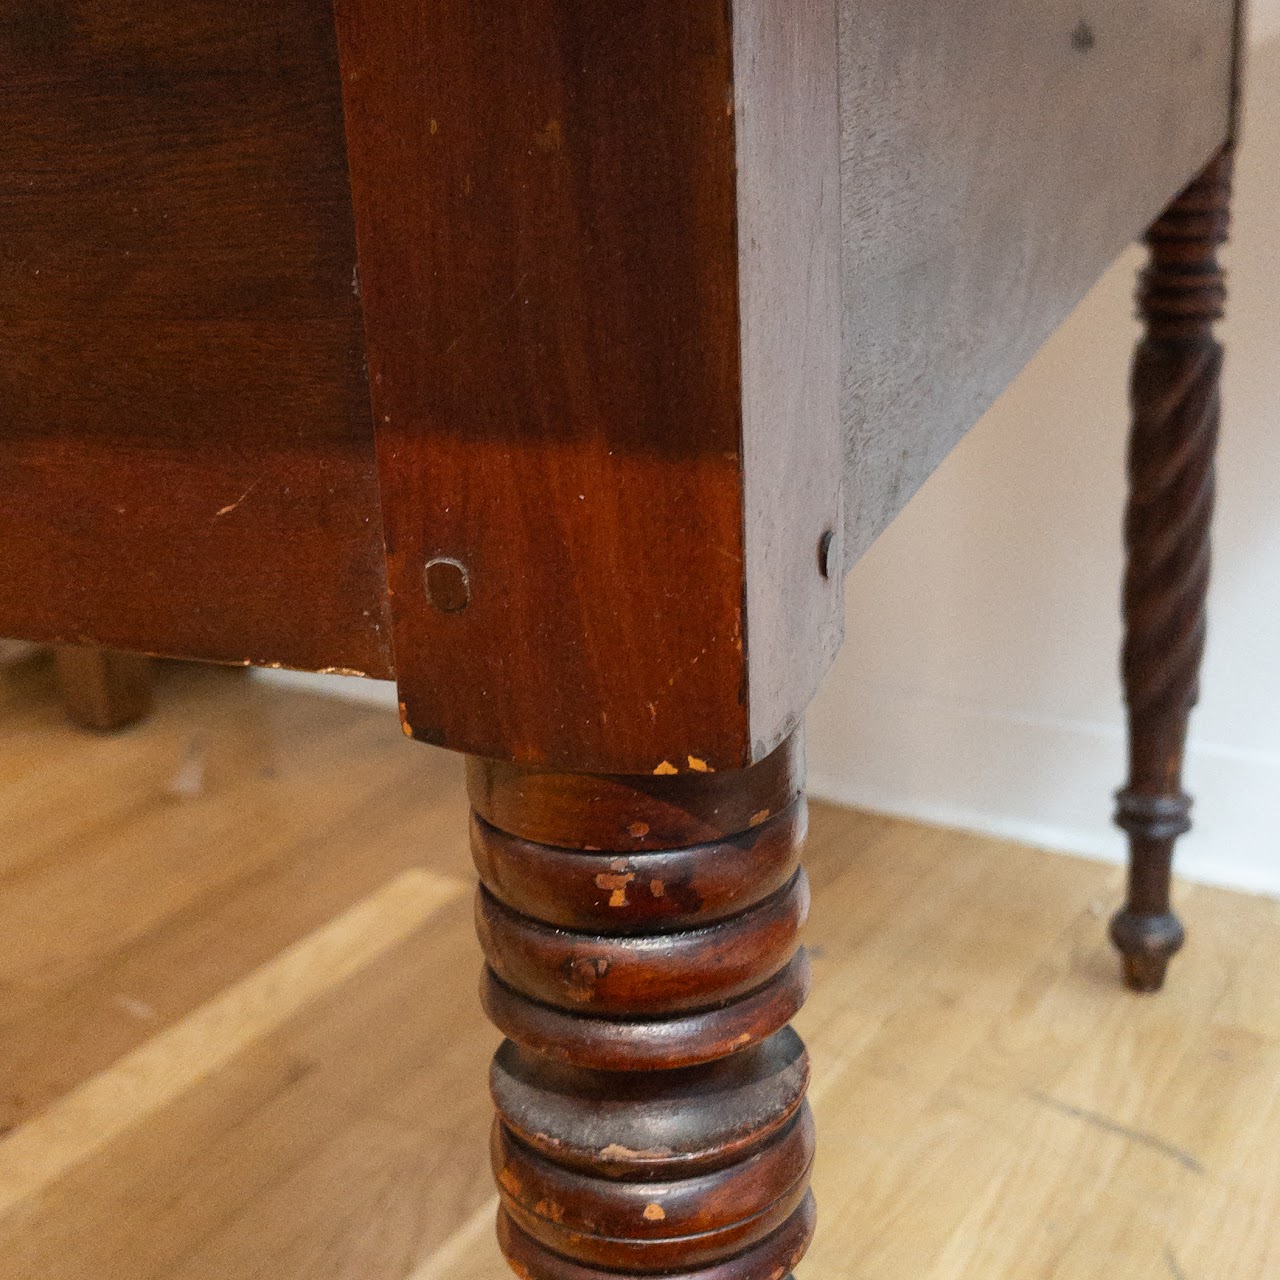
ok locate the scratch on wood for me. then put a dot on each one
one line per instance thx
(1139, 1136)
(230, 507)
(485, 320)
(615, 1152)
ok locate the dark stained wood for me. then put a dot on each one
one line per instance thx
(601, 333)
(101, 689)
(180, 320)
(613, 260)
(612, 1124)
(626, 814)
(186, 461)
(639, 1226)
(994, 163)
(685, 1041)
(769, 1260)
(1176, 409)
(650, 1102)
(640, 892)
(644, 976)
(551, 310)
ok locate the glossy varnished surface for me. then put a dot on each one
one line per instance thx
(705, 1174)
(966, 1025)
(186, 457)
(550, 291)
(599, 253)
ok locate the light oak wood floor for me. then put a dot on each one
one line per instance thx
(239, 1035)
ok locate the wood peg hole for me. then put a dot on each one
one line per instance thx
(448, 584)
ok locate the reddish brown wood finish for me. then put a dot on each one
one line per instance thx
(674, 888)
(1176, 377)
(186, 457)
(650, 1097)
(602, 316)
(103, 690)
(669, 810)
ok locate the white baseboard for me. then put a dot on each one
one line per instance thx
(1042, 783)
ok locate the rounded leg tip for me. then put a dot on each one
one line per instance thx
(1145, 974)
(1147, 943)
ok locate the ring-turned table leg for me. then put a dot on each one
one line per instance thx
(1176, 376)
(641, 938)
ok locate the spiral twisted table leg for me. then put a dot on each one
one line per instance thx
(1175, 393)
(641, 939)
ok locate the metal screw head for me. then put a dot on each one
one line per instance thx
(448, 584)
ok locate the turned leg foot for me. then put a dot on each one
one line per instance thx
(641, 939)
(1147, 944)
(1176, 376)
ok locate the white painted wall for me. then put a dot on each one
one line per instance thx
(979, 684)
(1264, 20)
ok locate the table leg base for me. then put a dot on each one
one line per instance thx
(642, 960)
(1147, 944)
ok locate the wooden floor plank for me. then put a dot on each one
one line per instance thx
(82, 1122)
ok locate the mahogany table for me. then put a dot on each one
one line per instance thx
(557, 359)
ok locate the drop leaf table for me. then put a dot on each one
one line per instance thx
(556, 359)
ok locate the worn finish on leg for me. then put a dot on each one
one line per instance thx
(641, 939)
(1176, 378)
(103, 689)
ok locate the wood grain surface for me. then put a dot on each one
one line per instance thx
(549, 287)
(597, 254)
(991, 1101)
(995, 158)
(787, 119)
(1177, 409)
(186, 462)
